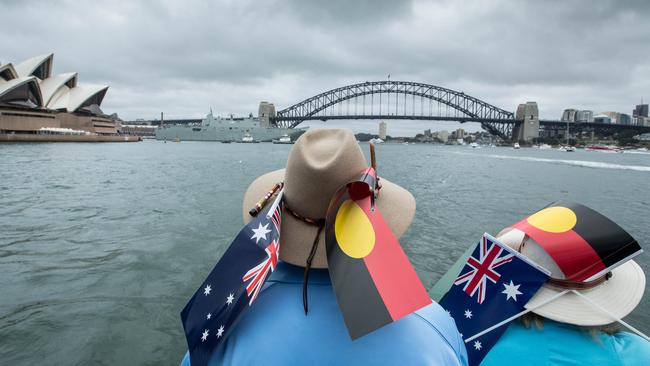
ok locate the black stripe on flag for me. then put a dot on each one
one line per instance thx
(610, 241)
(361, 305)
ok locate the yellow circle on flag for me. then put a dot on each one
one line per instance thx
(353, 230)
(554, 219)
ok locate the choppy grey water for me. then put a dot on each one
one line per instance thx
(101, 245)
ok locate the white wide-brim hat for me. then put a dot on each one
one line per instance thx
(617, 296)
(320, 162)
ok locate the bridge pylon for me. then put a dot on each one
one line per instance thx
(528, 129)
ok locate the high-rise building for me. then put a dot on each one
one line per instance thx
(569, 115)
(641, 110)
(460, 134)
(382, 130)
(585, 116)
(624, 119)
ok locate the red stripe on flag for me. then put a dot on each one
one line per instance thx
(395, 279)
(575, 256)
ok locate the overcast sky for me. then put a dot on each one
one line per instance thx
(183, 57)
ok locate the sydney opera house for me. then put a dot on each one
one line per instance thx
(36, 105)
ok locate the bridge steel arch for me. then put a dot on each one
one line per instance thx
(495, 120)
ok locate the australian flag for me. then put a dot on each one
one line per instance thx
(233, 285)
(494, 285)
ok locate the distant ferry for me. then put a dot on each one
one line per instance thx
(227, 130)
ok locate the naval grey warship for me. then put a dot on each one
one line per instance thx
(227, 130)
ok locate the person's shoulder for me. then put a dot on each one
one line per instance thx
(435, 317)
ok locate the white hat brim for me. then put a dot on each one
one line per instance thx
(619, 295)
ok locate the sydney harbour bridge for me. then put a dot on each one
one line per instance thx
(404, 100)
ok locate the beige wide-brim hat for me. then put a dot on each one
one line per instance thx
(618, 296)
(320, 162)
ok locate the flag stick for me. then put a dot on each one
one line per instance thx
(495, 326)
(638, 332)
(275, 204)
(262, 202)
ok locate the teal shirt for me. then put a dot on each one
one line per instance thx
(276, 331)
(565, 344)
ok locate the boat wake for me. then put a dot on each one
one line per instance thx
(582, 163)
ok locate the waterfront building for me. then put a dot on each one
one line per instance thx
(602, 119)
(585, 116)
(640, 114)
(382, 130)
(569, 115)
(34, 101)
(614, 117)
(460, 134)
(641, 110)
(443, 136)
(624, 119)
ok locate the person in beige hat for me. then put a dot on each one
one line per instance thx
(277, 330)
(574, 316)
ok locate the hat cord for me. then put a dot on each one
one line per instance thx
(320, 223)
(305, 278)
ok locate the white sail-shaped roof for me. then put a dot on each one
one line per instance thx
(7, 72)
(21, 90)
(83, 96)
(30, 84)
(71, 99)
(39, 66)
(55, 85)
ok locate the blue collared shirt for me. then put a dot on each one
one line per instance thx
(565, 344)
(275, 331)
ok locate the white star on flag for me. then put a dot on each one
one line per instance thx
(477, 345)
(511, 291)
(220, 332)
(209, 316)
(260, 232)
(206, 290)
(204, 336)
(468, 314)
(229, 299)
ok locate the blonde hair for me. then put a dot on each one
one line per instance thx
(534, 320)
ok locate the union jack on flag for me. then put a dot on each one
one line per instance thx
(225, 295)
(259, 272)
(483, 269)
(482, 297)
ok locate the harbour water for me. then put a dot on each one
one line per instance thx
(102, 245)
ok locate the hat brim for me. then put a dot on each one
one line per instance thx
(619, 295)
(396, 204)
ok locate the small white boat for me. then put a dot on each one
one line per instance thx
(516, 146)
(284, 139)
(474, 145)
(376, 140)
(248, 139)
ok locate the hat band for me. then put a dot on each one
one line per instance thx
(308, 220)
(578, 285)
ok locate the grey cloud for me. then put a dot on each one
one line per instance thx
(184, 56)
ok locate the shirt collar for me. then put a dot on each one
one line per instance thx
(288, 273)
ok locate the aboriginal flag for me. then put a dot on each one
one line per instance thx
(583, 243)
(373, 279)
